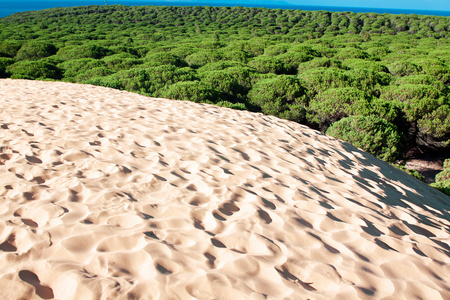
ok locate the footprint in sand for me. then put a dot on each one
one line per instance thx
(7, 246)
(4, 157)
(41, 290)
(229, 208)
(33, 159)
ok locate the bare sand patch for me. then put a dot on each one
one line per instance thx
(107, 194)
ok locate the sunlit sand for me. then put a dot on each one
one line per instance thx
(107, 194)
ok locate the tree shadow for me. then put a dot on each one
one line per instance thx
(420, 194)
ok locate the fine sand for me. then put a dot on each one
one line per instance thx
(107, 194)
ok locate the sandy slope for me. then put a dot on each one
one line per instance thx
(107, 194)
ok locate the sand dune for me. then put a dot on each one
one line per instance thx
(107, 194)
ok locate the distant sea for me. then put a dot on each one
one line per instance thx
(10, 7)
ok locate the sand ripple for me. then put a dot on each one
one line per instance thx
(107, 194)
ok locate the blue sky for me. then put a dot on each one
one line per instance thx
(398, 4)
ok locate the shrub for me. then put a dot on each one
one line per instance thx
(337, 103)
(34, 70)
(281, 96)
(237, 55)
(350, 52)
(245, 76)
(190, 90)
(368, 80)
(76, 67)
(378, 51)
(320, 79)
(372, 134)
(265, 64)
(225, 83)
(416, 100)
(254, 46)
(325, 51)
(108, 81)
(151, 81)
(404, 68)
(164, 58)
(422, 79)
(4, 63)
(321, 62)
(366, 64)
(291, 61)
(94, 72)
(306, 50)
(201, 58)
(274, 50)
(220, 65)
(9, 48)
(387, 110)
(435, 68)
(184, 51)
(83, 51)
(35, 50)
(239, 105)
(436, 123)
(443, 179)
(121, 61)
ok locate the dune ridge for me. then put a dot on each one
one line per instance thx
(108, 194)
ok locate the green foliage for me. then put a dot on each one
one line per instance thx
(151, 81)
(4, 63)
(83, 51)
(184, 51)
(334, 104)
(445, 174)
(195, 91)
(387, 110)
(9, 48)
(378, 51)
(422, 79)
(372, 134)
(436, 123)
(306, 50)
(321, 62)
(245, 76)
(204, 57)
(320, 79)
(122, 61)
(274, 50)
(404, 68)
(237, 55)
(366, 64)
(77, 67)
(416, 100)
(291, 61)
(436, 68)
(224, 83)
(164, 58)
(443, 179)
(281, 96)
(35, 50)
(368, 80)
(351, 53)
(92, 73)
(220, 65)
(267, 64)
(238, 106)
(34, 70)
